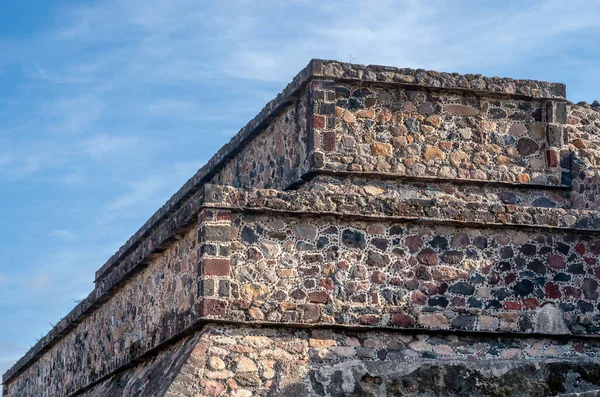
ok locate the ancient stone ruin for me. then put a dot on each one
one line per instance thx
(374, 231)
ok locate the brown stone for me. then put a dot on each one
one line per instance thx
(433, 153)
(214, 307)
(319, 297)
(503, 160)
(414, 243)
(348, 117)
(580, 143)
(328, 141)
(462, 110)
(517, 129)
(433, 320)
(378, 277)
(403, 320)
(399, 130)
(366, 114)
(244, 364)
(428, 257)
(256, 314)
(448, 273)
(398, 141)
(527, 146)
(384, 116)
(313, 342)
(219, 267)
(318, 121)
(434, 120)
(382, 149)
(458, 157)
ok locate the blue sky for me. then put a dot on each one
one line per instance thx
(107, 107)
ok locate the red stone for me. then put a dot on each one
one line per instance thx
(552, 291)
(329, 141)
(530, 303)
(224, 215)
(241, 304)
(597, 272)
(403, 320)
(378, 277)
(219, 267)
(343, 265)
(319, 297)
(590, 261)
(369, 319)
(557, 262)
(579, 348)
(414, 243)
(428, 257)
(318, 121)
(552, 158)
(512, 305)
(326, 283)
(510, 278)
(214, 307)
(594, 247)
(429, 288)
(418, 298)
(374, 298)
(580, 248)
(571, 291)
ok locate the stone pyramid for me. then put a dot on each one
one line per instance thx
(374, 231)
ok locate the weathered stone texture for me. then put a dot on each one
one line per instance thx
(327, 270)
(275, 158)
(243, 361)
(374, 231)
(584, 137)
(419, 133)
(149, 309)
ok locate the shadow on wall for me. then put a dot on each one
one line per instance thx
(514, 378)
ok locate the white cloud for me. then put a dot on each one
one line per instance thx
(152, 186)
(63, 235)
(104, 145)
(41, 280)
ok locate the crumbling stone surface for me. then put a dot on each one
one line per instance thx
(384, 231)
(267, 361)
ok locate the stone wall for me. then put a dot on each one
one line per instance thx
(420, 133)
(584, 137)
(275, 158)
(328, 270)
(373, 231)
(244, 361)
(151, 308)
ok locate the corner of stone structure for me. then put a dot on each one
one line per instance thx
(373, 230)
(214, 263)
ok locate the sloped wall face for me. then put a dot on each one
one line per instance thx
(386, 273)
(419, 133)
(242, 362)
(150, 308)
(276, 157)
(584, 136)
